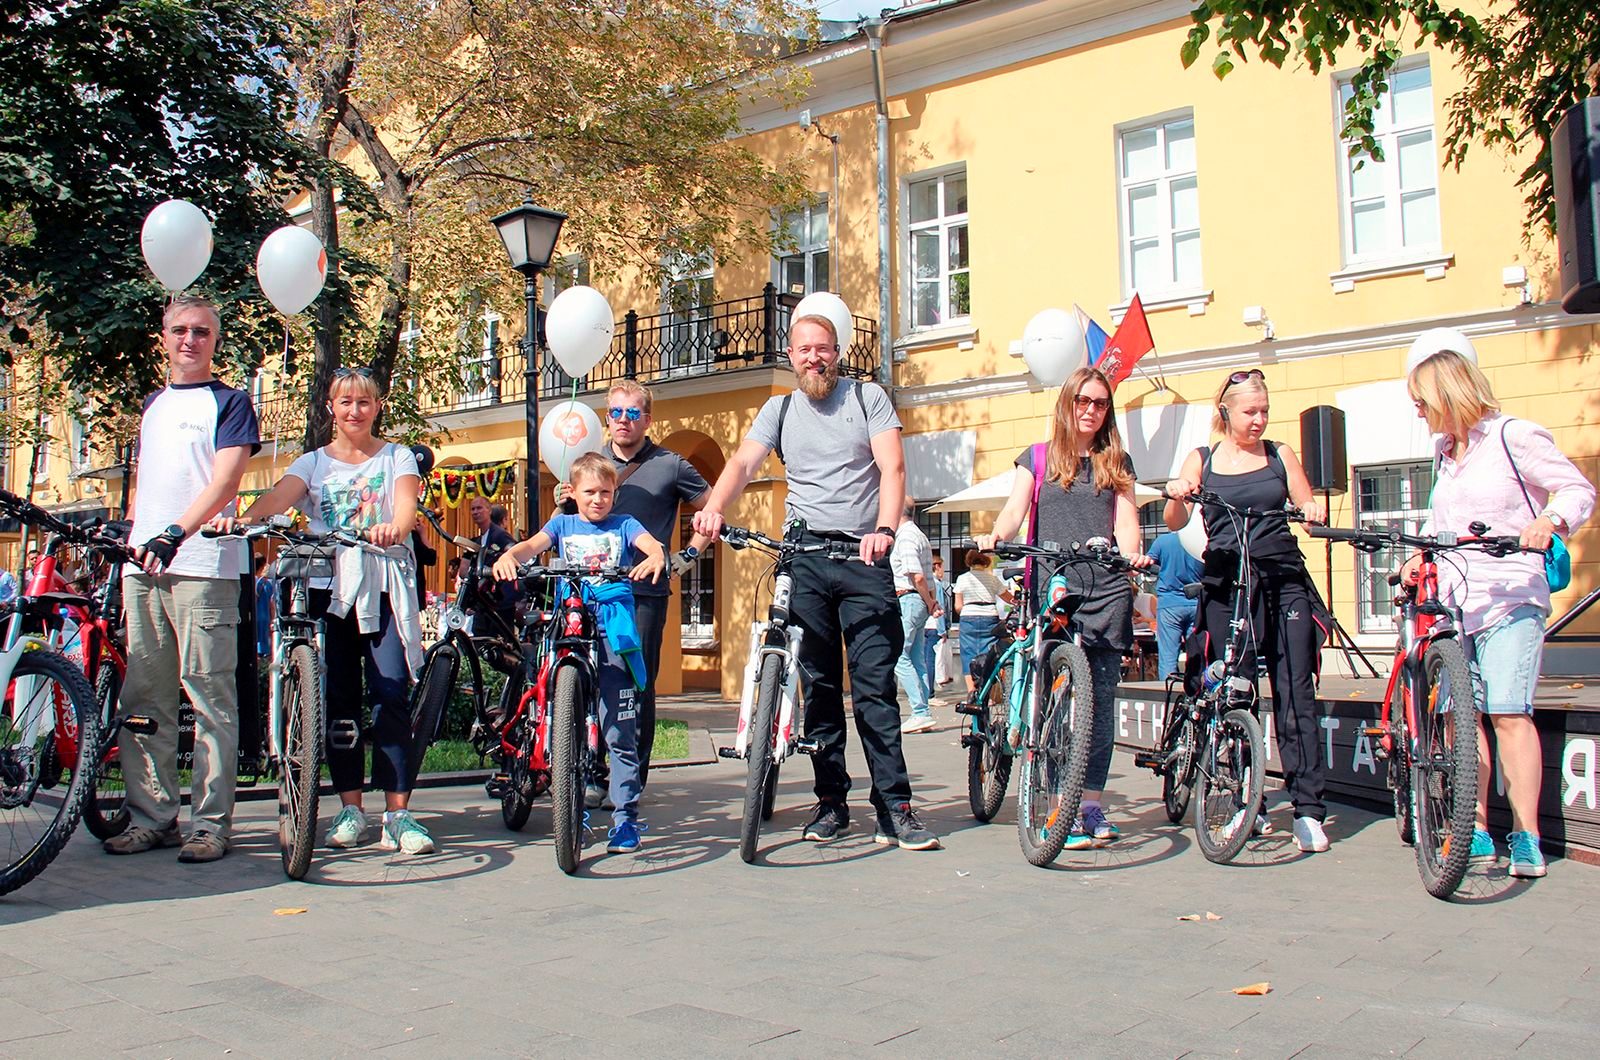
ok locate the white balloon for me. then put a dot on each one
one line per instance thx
(832, 307)
(567, 432)
(176, 241)
(1053, 346)
(1192, 535)
(1437, 340)
(291, 267)
(578, 327)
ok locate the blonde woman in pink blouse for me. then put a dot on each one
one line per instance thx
(1507, 473)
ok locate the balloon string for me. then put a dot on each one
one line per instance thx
(285, 347)
(564, 444)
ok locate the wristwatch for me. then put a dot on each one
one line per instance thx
(1555, 519)
(176, 533)
(886, 531)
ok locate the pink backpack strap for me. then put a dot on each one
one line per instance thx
(1041, 467)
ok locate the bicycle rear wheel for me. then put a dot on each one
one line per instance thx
(1405, 820)
(1051, 785)
(1228, 784)
(758, 753)
(428, 701)
(34, 826)
(516, 802)
(300, 771)
(105, 810)
(1444, 777)
(566, 766)
(1178, 745)
(988, 758)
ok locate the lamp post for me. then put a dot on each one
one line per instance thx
(530, 233)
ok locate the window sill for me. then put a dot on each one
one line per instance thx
(1194, 300)
(943, 335)
(1432, 267)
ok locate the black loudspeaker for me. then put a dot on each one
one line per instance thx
(1575, 166)
(1322, 448)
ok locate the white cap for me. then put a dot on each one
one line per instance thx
(1437, 340)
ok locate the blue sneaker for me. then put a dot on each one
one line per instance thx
(1094, 822)
(1526, 859)
(1482, 848)
(624, 838)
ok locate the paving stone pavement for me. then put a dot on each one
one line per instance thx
(819, 950)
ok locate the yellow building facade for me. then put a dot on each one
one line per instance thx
(1044, 154)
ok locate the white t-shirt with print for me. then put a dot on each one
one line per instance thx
(351, 497)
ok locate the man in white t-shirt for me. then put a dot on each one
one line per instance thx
(911, 560)
(182, 601)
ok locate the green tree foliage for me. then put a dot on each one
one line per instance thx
(1525, 63)
(108, 107)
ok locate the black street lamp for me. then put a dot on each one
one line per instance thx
(530, 233)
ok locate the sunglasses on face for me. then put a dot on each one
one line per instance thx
(631, 415)
(1082, 402)
(1239, 377)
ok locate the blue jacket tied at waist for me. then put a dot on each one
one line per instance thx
(614, 607)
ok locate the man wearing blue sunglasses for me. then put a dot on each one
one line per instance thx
(652, 483)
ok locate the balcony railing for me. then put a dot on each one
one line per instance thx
(728, 336)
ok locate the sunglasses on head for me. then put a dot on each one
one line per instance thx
(1239, 377)
(631, 415)
(341, 373)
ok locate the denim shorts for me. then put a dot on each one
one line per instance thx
(1507, 657)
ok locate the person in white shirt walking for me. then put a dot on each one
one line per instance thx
(911, 561)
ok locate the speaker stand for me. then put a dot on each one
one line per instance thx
(1337, 637)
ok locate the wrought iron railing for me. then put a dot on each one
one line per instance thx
(732, 335)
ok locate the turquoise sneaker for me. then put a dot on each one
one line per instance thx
(1482, 848)
(1526, 858)
(348, 828)
(402, 832)
(1078, 837)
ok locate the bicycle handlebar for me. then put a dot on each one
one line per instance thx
(561, 569)
(281, 527)
(91, 536)
(465, 544)
(1211, 499)
(739, 537)
(1105, 555)
(1373, 540)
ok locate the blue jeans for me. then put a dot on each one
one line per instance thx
(977, 636)
(1174, 623)
(619, 725)
(911, 670)
(930, 667)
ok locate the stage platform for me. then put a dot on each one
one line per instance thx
(1566, 711)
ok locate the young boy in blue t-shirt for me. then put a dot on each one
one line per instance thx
(594, 538)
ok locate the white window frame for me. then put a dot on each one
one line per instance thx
(943, 223)
(486, 392)
(691, 591)
(42, 474)
(571, 271)
(806, 249)
(687, 325)
(1166, 233)
(1375, 614)
(1389, 136)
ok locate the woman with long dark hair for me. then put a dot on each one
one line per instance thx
(1086, 491)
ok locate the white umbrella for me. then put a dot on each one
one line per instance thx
(991, 494)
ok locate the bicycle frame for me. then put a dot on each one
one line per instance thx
(777, 637)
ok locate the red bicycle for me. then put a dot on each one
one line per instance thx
(1428, 728)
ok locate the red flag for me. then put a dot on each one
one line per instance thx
(1131, 342)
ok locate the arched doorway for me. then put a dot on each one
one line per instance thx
(695, 655)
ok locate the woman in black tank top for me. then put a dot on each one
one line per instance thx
(1248, 471)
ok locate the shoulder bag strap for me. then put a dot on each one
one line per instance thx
(1510, 460)
(783, 411)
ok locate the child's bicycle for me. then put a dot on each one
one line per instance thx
(1037, 701)
(768, 731)
(1212, 745)
(1428, 728)
(551, 739)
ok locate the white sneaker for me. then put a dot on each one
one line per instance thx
(918, 723)
(1263, 826)
(1309, 834)
(402, 832)
(348, 829)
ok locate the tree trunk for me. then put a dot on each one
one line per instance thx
(327, 350)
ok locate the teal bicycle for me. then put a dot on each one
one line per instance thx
(1035, 702)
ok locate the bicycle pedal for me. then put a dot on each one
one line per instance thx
(971, 739)
(1149, 760)
(728, 752)
(807, 747)
(142, 724)
(497, 785)
(1374, 731)
(967, 706)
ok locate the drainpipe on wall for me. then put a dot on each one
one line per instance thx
(874, 29)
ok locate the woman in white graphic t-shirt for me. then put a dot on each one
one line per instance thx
(362, 484)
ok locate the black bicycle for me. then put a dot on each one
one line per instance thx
(769, 723)
(1212, 745)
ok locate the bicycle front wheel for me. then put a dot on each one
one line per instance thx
(428, 700)
(566, 766)
(1444, 776)
(48, 734)
(300, 771)
(1051, 785)
(1228, 783)
(105, 810)
(988, 758)
(758, 753)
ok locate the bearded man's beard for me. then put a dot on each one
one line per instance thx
(818, 385)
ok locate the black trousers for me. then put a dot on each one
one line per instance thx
(650, 615)
(1286, 634)
(851, 606)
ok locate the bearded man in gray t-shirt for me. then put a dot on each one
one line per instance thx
(840, 444)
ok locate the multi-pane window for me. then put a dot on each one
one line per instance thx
(1160, 207)
(1390, 496)
(687, 299)
(480, 376)
(946, 532)
(41, 466)
(802, 263)
(1152, 521)
(570, 271)
(1391, 208)
(941, 275)
(698, 589)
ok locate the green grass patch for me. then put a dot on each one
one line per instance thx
(672, 740)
